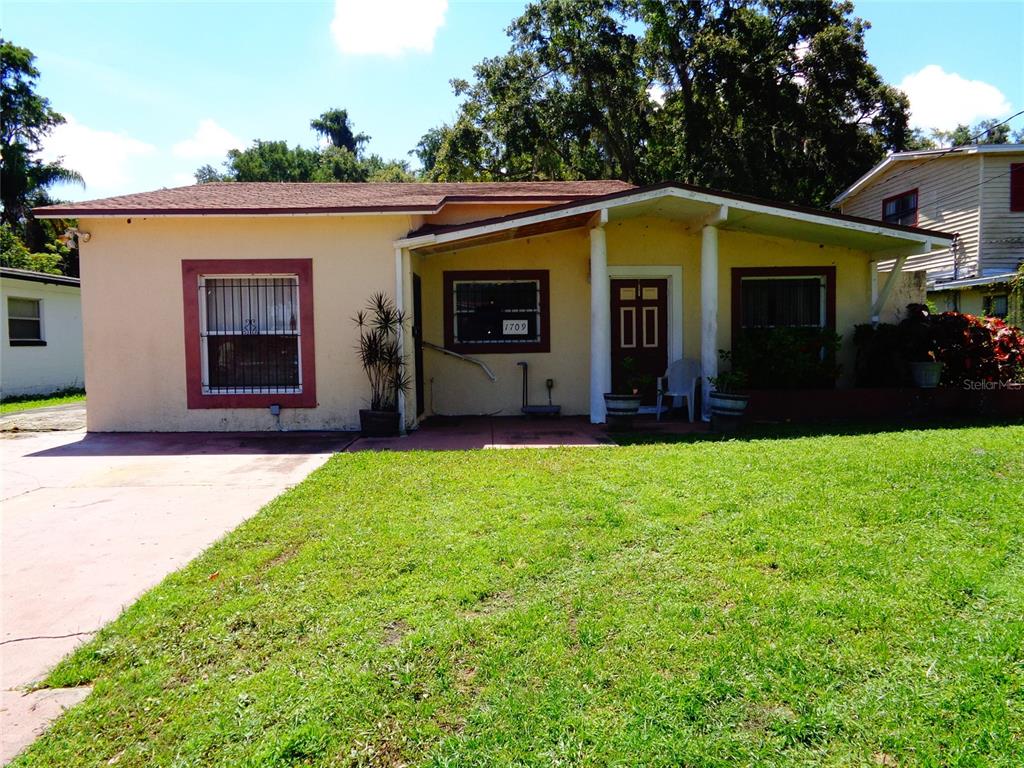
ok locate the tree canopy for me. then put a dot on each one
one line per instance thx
(767, 97)
(341, 160)
(26, 118)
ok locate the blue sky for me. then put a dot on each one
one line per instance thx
(154, 90)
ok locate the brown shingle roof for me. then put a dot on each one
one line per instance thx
(284, 197)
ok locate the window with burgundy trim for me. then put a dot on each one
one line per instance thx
(1017, 186)
(249, 333)
(497, 311)
(783, 297)
(901, 209)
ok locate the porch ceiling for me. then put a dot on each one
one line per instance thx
(688, 207)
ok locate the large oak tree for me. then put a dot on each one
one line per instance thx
(767, 97)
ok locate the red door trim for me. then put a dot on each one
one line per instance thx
(191, 270)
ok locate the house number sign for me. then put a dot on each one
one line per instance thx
(515, 327)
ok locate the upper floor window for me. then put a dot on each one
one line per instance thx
(497, 311)
(901, 209)
(1017, 187)
(25, 322)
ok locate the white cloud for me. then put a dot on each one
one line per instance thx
(104, 158)
(209, 141)
(387, 27)
(656, 93)
(943, 100)
(183, 179)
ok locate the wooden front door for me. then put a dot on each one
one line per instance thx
(639, 333)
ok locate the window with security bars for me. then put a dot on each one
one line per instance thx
(497, 312)
(782, 302)
(250, 333)
(24, 321)
(901, 209)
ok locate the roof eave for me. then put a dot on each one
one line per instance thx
(935, 238)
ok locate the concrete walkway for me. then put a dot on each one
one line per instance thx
(90, 521)
(465, 433)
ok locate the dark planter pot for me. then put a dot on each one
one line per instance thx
(727, 410)
(620, 410)
(926, 375)
(379, 423)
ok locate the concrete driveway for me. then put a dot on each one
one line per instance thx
(90, 521)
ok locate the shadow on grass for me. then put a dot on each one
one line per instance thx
(766, 431)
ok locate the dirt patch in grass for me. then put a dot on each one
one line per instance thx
(490, 605)
(394, 631)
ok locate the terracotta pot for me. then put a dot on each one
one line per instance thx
(379, 423)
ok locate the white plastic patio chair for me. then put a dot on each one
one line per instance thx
(680, 380)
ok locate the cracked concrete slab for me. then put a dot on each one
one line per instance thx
(90, 521)
(26, 715)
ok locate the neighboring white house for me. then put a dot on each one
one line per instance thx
(41, 348)
(975, 192)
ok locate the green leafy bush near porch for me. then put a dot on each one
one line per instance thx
(787, 358)
(970, 348)
(836, 600)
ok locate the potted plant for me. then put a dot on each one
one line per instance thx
(380, 327)
(920, 344)
(727, 402)
(622, 405)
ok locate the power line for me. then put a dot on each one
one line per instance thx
(961, 190)
(958, 148)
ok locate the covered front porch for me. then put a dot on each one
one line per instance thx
(687, 250)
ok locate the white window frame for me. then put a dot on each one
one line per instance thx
(823, 294)
(204, 334)
(538, 312)
(42, 327)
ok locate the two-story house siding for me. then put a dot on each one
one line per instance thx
(966, 192)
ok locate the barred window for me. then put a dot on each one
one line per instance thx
(497, 311)
(783, 302)
(250, 334)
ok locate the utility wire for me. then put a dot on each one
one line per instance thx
(958, 148)
(961, 190)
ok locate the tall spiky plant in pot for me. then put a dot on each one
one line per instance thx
(380, 327)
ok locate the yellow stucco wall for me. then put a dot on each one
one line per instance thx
(132, 308)
(133, 313)
(455, 387)
(970, 300)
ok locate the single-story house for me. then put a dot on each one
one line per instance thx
(41, 347)
(206, 305)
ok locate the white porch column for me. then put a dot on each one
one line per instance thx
(600, 322)
(873, 272)
(401, 257)
(708, 313)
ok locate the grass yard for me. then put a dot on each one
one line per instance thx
(28, 402)
(840, 600)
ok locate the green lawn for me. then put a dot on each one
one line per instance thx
(27, 402)
(840, 600)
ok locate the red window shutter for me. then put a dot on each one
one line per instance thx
(1017, 187)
